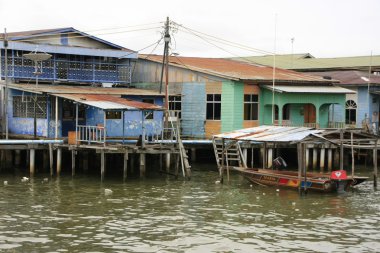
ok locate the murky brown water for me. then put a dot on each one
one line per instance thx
(165, 215)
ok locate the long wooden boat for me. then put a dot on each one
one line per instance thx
(337, 181)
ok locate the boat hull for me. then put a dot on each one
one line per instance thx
(319, 182)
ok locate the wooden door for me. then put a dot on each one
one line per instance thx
(309, 113)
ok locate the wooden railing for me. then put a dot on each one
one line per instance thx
(91, 134)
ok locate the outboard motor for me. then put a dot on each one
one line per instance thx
(279, 162)
(340, 179)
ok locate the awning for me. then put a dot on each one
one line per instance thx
(309, 89)
(270, 134)
(109, 102)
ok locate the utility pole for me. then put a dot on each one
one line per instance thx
(165, 65)
(6, 84)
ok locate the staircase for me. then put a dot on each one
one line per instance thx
(230, 151)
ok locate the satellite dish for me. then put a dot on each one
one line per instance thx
(37, 56)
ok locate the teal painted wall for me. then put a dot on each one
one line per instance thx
(319, 100)
(232, 106)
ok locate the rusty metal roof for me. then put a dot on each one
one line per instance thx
(270, 134)
(309, 89)
(350, 77)
(110, 102)
(236, 70)
(65, 89)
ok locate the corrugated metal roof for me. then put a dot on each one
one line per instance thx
(270, 134)
(236, 70)
(303, 63)
(109, 102)
(65, 89)
(309, 89)
(350, 77)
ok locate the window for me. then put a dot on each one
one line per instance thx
(23, 107)
(175, 105)
(286, 112)
(113, 115)
(148, 114)
(213, 106)
(351, 112)
(251, 107)
(69, 111)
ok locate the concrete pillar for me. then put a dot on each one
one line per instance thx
(307, 160)
(102, 165)
(270, 157)
(167, 162)
(245, 155)
(315, 158)
(59, 161)
(329, 159)
(73, 162)
(32, 161)
(322, 160)
(142, 165)
(125, 166)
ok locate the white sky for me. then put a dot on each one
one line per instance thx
(324, 28)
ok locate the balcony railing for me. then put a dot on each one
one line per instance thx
(71, 71)
(91, 134)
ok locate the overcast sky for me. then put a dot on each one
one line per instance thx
(324, 28)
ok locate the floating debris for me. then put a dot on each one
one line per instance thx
(5, 182)
(24, 179)
(108, 192)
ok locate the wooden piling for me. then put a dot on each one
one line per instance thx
(193, 154)
(270, 158)
(32, 157)
(17, 158)
(142, 165)
(300, 164)
(51, 158)
(85, 161)
(375, 165)
(322, 160)
(102, 165)
(265, 155)
(125, 166)
(177, 162)
(315, 158)
(167, 162)
(307, 156)
(59, 161)
(45, 158)
(73, 162)
(341, 151)
(329, 159)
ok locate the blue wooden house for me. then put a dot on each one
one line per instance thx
(97, 114)
(77, 57)
(82, 88)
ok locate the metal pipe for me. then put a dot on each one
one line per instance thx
(31, 141)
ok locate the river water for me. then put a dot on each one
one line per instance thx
(160, 214)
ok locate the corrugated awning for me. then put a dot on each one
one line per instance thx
(109, 102)
(309, 89)
(270, 134)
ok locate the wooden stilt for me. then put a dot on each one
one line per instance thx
(85, 161)
(32, 162)
(125, 168)
(322, 160)
(45, 160)
(265, 156)
(270, 158)
(59, 161)
(375, 166)
(177, 162)
(73, 162)
(341, 151)
(17, 158)
(132, 163)
(51, 158)
(102, 165)
(167, 162)
(300, 164)
(193, 154)
(352, 155)
(315, 158)
(221, 169)
(329, 159)
(142, 165)
(307, 153)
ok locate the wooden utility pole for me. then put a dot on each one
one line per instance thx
(5, 121)
(165, 65)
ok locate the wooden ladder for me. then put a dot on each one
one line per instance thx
(232, 153)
